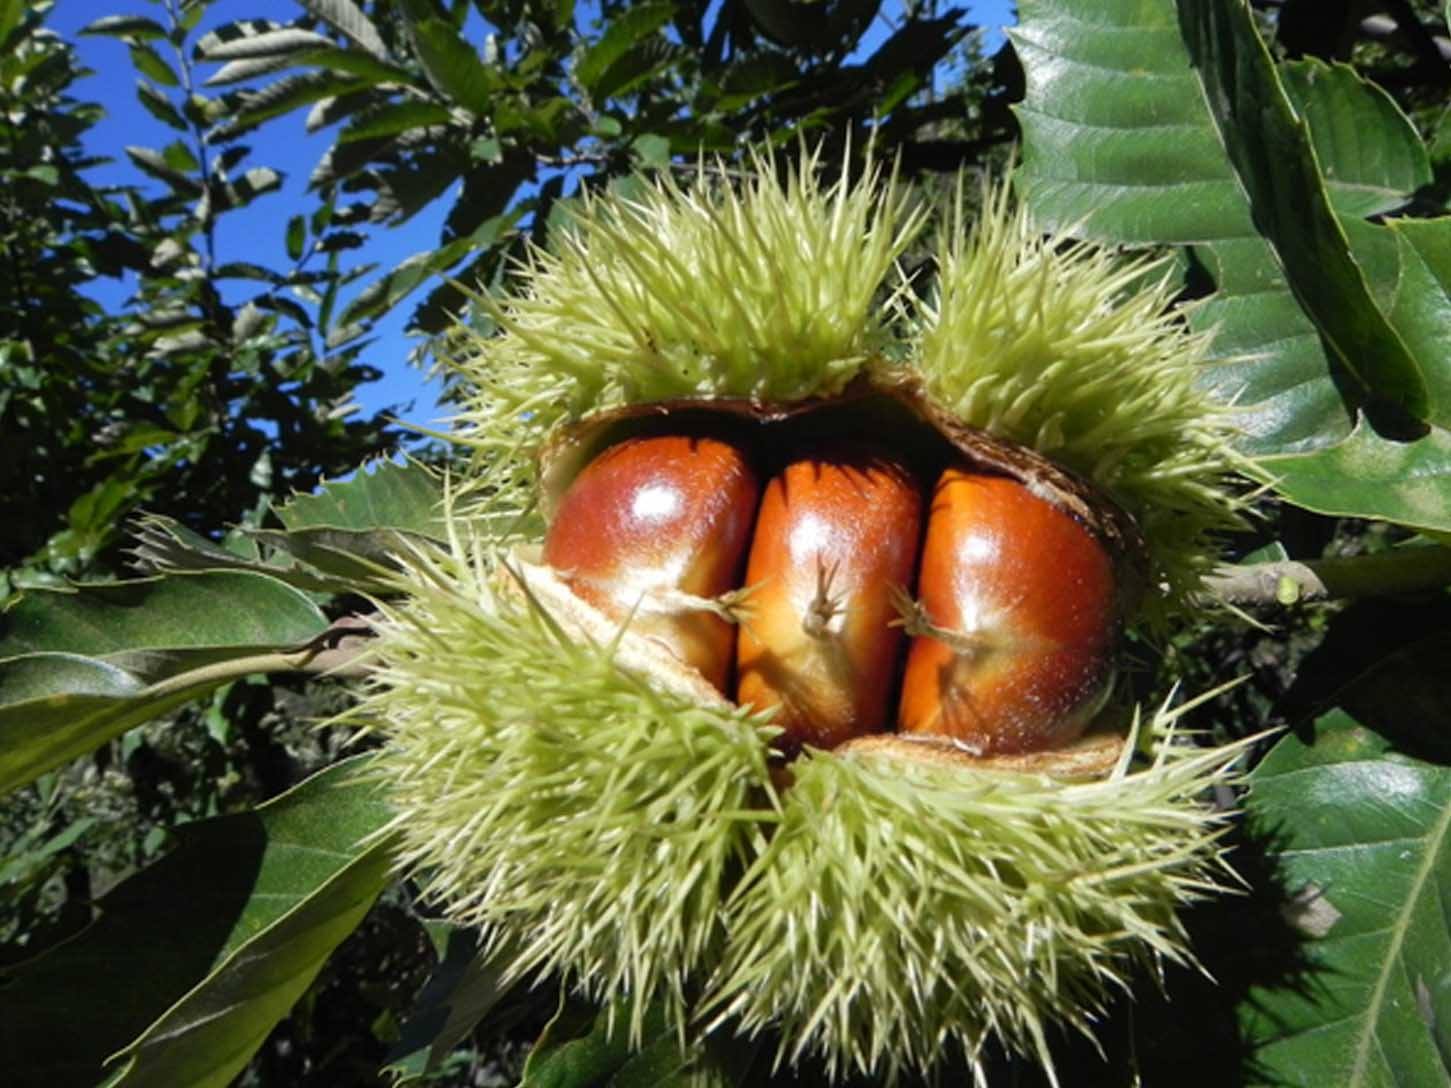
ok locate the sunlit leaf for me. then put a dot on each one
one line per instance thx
(348, 20)
(1119, 145)
(126, 27)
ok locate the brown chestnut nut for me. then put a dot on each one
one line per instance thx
(836, 531)
(652, 528)
(1021, 620)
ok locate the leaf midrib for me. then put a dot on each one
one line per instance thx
(1391, 961)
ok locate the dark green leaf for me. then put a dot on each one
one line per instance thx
(154, 163)
(296, 236)
(159, 106)
(633, 70)
(1364, 841)
(80, 667)
(217, 940)
(165, 546)
(251, 108)
(1373, 156)
(385, 293)
(179, 157)
(578, 1050)
(150, 64)
(389, 120)
(635, 23)
(1118, 143)
(354, 63)
(460, 992)
(452, 66)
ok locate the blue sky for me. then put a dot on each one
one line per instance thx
(256, 233)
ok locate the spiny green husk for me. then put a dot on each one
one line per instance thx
(1077, 352)
(785, 288)
(768, 290)
(566, 806)
(889, 912)
(905, 913)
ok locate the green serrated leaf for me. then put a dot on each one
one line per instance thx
(384, 495)
(82, 667)
(210, 946)
(581, 1049)
(165, 545)
(1364, 842)
(353, 62)
(159, 106)
(152, 162)
(1270, 149)
(1118, 145)
(1373, 156)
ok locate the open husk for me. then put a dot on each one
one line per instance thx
(572, 790)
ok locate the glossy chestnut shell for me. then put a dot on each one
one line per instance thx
(832, 531)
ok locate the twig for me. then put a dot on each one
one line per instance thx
(1288, 582)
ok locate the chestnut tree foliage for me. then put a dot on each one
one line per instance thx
(189, 892)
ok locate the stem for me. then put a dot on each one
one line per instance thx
(1383, 574)
(338, 661)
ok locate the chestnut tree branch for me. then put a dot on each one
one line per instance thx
(1291, 581)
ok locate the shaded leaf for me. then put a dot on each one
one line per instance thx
(217, 940)
(452, 66)
(165, 545)
(282, 96)
(1358, 131)
(582, 1049)
(80, 667)
(1364, 840)
(149, 63)
(461, 992)
(159, 106)
(154, 163)
(296, 236)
